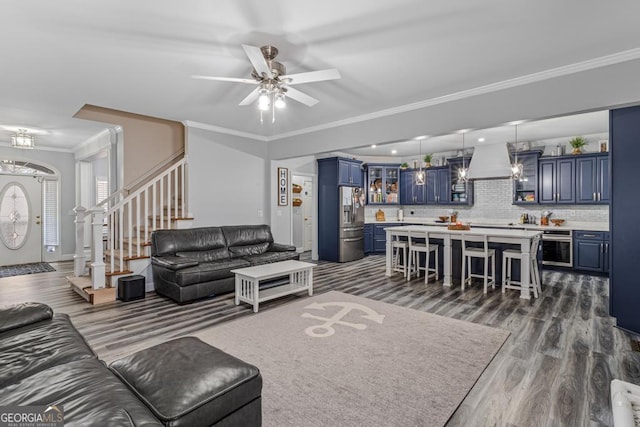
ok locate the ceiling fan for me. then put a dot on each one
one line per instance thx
(273, 82)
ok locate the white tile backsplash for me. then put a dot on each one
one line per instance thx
(493, 200)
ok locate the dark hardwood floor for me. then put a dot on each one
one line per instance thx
(554, 369)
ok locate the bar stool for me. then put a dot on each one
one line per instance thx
(398, 245)
(415, 248)
(509, 254)
(468, 253)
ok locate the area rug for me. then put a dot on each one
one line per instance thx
(341, 360)
(21, 269)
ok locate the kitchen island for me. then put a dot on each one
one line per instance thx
(503, 236)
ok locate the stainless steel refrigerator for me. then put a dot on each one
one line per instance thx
(351, 224)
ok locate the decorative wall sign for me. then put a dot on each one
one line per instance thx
(283, 186)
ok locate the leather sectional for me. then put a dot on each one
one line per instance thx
(197, 262)
(45, 361)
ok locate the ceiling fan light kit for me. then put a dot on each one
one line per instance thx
(273, 82)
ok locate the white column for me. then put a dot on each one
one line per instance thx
(97, 263)
(448, 248)
(525, 270)
(78, 257)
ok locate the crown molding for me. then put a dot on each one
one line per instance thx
(92, 139)
(603, 61)
(38, 148)
(227, 131)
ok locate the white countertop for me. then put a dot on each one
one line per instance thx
(569, 225)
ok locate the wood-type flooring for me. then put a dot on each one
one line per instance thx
(554, 369)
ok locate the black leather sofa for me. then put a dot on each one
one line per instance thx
(197, 262)
(45, 361)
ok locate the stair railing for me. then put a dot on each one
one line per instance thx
(130, 220)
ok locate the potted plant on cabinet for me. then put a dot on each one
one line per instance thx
(404, 165)
(427, 160)
(577, 142)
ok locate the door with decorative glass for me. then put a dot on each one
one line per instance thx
(20, 219)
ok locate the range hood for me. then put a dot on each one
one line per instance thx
(490, 161)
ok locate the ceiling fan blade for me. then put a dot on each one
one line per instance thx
(257, 60)
(251, 97)
(227, 79)
(301, 97)
(311, 76)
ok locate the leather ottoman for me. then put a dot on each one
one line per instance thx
(186, 382)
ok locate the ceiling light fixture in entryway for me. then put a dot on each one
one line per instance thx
(23, 140)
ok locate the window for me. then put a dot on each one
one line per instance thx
(50, 213)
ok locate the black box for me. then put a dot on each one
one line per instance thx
(131, 288)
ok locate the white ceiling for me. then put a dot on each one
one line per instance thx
(139, 56)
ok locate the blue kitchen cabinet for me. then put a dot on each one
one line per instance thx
(459, 193)
(438, 185)
(383, 184)
(624, 289)
(368, 238)
(410, 192)
(380, 237)
(592, 179)
(591, 251)
(557, 180)
(349, 172)
(525, 189)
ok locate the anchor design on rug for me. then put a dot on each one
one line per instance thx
(326, 329)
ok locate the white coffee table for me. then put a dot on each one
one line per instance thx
(248, 281)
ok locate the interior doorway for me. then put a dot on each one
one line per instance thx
(302, 212)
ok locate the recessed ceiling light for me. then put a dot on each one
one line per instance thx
(480, 139)
(394, 151)
(374, 146)
(421, 137)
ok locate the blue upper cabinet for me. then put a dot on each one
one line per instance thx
(410, 192)
(459, 193)
(437, 185)
(525, 189)
(349, 172)
(592, 179)
(383, 184)
(557, 180)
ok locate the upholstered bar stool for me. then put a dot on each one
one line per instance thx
(417, 246)
(468, 253)
(508, 255)
(398, 245)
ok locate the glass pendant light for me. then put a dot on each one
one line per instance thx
(516, 167)
(463, 172)
(420, 174)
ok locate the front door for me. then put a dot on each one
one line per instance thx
(20, 220)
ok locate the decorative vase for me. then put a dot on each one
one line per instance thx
(427, 165)
(576, 151)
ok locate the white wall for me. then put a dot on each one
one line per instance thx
(227, 179)
(281, 216)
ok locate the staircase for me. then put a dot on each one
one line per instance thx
(121, 238)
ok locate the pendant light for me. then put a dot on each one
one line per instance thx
(420, 174)
(463, 172)
(517, 172)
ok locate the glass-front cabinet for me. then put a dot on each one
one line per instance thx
(525, 188)
(383, 184)
(460, 192)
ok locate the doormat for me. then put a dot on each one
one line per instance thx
(22, 269)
